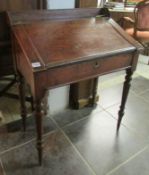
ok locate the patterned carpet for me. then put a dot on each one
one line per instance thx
(9, 108)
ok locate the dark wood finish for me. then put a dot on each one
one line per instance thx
(124, 96)
(66, 48)
(16, 5)
(21, 85)
(52, 15)
(85, 3)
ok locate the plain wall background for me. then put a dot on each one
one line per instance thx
(60, 4)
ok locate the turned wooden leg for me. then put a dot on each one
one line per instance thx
(38, 117)
(21, 85)
(94, 92)
(126, 88)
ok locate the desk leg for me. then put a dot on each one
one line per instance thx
(21, 85)
(126, 88)
(38, 116)
(94, 92)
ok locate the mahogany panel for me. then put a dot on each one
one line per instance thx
(86, 3)
(85, 70)
(15, 5)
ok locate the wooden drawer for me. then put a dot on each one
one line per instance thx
(85, 70)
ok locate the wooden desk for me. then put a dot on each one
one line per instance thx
(58, 47)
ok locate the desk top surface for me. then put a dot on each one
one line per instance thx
(48, 44)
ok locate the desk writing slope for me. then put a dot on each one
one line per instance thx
(61, 50)
(63, 42)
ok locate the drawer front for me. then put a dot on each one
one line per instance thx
(77, 72)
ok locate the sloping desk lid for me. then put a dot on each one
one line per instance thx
(48, 44)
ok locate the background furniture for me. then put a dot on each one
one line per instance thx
(131, 3)
(118, 14)
(139, 27)
(56, 63)
(6, 60)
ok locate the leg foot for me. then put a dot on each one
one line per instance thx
(39, 149)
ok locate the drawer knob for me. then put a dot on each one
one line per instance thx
(96, 65)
